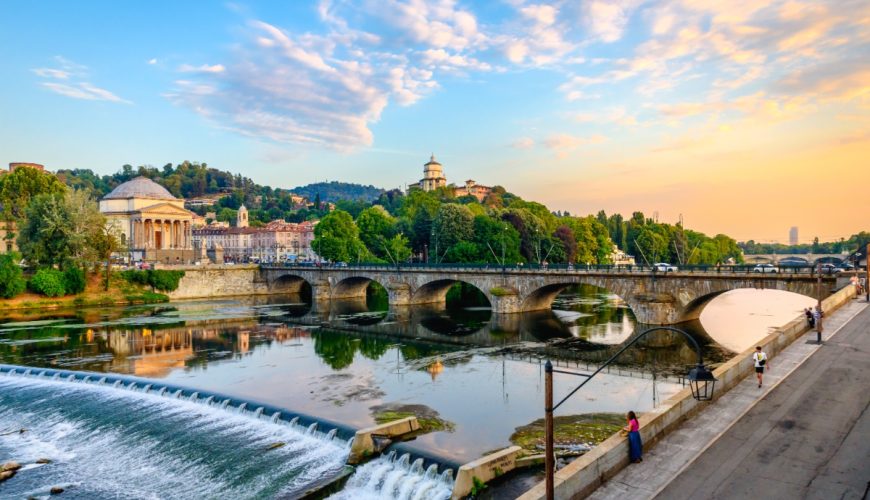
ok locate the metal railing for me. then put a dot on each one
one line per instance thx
(747, 269)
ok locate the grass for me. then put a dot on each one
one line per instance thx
(428, 423)
(588, 428)
(120, 293)
(498, 291)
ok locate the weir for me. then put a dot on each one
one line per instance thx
(403, 473)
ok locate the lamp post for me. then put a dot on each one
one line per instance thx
(701, 381)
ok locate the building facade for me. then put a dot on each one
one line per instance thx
(472, 188)
(277, 241)
(153, 225)
(433, 176)
(793, 236)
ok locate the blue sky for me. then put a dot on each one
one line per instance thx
(675, 107)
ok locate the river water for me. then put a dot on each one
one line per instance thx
(344, 362)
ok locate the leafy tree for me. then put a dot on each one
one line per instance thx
(57, 229)
(454, 223)
(497, 241)
(376, 226)
(397, 249)
(12, 280)
(48, 282)
(568, 244)
(19, 187)
(74, 280)
(336, 238)
(105, 240)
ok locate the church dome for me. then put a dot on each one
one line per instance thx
(140, 187)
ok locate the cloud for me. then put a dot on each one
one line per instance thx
(84, 91)
(302, 89)
(74, 82)
(205, 68)
(152, 61)
(58, 74)
(523, 143)
(606, 19)
(564, 144)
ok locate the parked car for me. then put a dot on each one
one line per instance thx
(664, 267)
(829, 269)
(845, 266)
(765, 268)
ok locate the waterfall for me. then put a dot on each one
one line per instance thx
(87, 427)
(102, 380)
(311, 429)
(294, 421)
(193, 396)
(331, 434)
(389, 477)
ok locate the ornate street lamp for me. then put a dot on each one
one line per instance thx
(701, 381)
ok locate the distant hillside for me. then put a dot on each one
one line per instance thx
(334, 191)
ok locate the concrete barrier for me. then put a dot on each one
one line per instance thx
(484, 469)
(363, 446)
(582, 476)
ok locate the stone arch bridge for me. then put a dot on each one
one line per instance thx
(655, 298)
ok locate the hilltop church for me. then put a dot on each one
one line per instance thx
(433, 178)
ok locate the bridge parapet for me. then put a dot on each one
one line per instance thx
(655, 298)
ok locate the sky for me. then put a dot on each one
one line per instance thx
(741, 117)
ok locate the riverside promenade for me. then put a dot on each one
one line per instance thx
(803, 435)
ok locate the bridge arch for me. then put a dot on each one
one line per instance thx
(435, 292)
(692, 310)
(289, 283)
(352, 287)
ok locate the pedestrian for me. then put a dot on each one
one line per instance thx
(760, 358)
(817, 315)
(635, 446)
(809, 314)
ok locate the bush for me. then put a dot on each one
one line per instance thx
(11, 279)
(74, 281)
(48, 282)
(165, 281)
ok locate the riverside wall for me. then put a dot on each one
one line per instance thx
(582, 476)
(213, 281)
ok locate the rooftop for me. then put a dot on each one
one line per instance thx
(140, 187)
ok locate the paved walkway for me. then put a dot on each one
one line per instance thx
(701, 459)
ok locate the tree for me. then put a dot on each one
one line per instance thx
(336, 238)
(48, 282)
(452, 224)
(57, 228)
(12, 280)
(105, 241)
(496, 240)
(396, 248)
(376, 226)
(565, 237)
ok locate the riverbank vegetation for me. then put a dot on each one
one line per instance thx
(570, 432)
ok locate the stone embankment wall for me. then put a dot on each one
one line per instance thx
(582, 476)
(212, 281)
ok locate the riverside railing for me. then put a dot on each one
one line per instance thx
(749, 269)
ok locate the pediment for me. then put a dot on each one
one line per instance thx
(164, 209)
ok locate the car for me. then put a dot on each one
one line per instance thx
(664, 267)
(829, 269)
(765, 268)
(340, 264)
(845, 266)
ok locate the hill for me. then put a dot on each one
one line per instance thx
(334, 191)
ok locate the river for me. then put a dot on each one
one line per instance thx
(345, 361)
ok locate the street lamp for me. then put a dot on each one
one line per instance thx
(701, 381)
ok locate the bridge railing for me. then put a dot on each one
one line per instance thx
(750, 269)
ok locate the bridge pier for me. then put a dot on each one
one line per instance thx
(504, 300)
(399, 294)
(321, 290)
(655, 308)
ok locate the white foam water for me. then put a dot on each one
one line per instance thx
(397, 478)
(124, 441)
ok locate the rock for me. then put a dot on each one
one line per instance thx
(56, 490)
(6, 474)
(43, 461)
(13, 466)
(275, 445)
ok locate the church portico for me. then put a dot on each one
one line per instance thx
(154, 225)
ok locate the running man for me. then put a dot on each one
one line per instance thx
(760, 358)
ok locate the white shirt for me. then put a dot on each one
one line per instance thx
(758, 356)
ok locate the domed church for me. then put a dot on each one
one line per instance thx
(154, 225)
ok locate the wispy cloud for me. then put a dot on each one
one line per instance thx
(204, 68)
(70, 79)
(565, 144)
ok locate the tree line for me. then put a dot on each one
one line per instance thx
(502, 229)
(855, 242)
